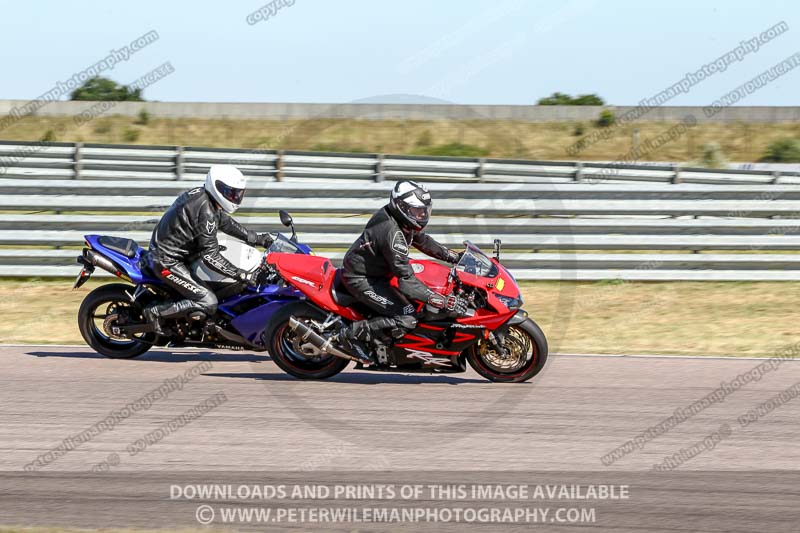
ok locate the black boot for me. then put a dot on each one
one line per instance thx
(350, 339)
(152, 316)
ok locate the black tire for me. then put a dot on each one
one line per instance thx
(278, 339)
(102, 299)
(527, 340)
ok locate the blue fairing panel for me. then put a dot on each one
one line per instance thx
(251, 324)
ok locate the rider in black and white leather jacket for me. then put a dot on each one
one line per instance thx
(188, 229)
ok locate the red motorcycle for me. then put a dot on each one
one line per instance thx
(496, 336)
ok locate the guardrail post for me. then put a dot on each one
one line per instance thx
(378, 176)
(776, 176)
(77, 164)
(179, 162)
(676, 176)
(279, 166)
(480, 169)
(578, 171)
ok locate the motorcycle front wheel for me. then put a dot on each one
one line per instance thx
(526, 354)
(103, 308)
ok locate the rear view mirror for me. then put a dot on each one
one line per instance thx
(286, 220)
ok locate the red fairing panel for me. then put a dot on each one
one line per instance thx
(435, 275)
(432, 274)
(313, 276)
(492, 319)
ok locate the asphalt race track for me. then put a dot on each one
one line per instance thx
(371, 427)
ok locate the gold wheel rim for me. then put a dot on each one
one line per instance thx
(519, 347)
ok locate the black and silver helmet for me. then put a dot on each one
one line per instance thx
(410, 204)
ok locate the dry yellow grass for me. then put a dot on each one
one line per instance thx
(703, 318)
(739, 142)
(687, 318)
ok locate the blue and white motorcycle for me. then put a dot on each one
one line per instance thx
(110, 317)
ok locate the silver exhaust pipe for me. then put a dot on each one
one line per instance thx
(322, 344)
(100, 261)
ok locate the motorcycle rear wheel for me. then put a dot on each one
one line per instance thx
(527, 348)
(284, 344)
(103, 304)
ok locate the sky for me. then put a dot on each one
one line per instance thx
(465, 51)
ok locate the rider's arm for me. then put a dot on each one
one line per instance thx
(395, 252)
(430, 246)
(229, 225)
(209, 246)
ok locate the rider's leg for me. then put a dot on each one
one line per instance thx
(197, 297)
(395, 312)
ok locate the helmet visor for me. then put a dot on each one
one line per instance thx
(231, 194)
(421, 215)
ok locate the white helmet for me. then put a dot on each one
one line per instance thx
(226, 184)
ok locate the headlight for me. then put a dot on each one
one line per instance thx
(511, 303)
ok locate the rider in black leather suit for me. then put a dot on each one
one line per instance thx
(188, 230)
(380, 253)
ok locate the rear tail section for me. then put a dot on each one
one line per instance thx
(118, 256)
(313, 276)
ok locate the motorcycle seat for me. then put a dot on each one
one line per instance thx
(339, 292)
(126, 247)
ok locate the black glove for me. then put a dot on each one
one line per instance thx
(453, 256)
(457, 305)
(264, 240)
(436, 300)
(254, 278)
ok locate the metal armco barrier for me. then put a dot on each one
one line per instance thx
(557, 220)
(138, 162)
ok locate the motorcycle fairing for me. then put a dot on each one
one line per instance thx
(433, 342)
(250, 324)
(313, 276)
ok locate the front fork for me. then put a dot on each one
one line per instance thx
(497, 342)
(497, 338)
